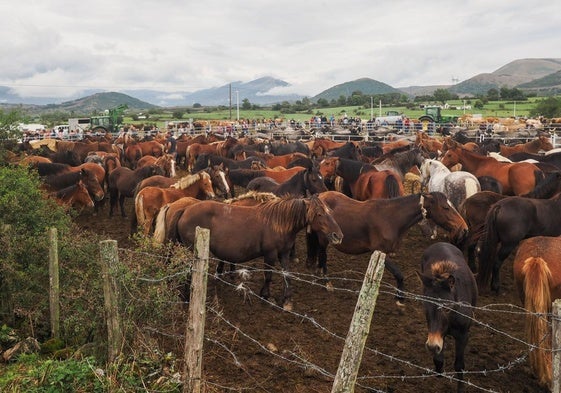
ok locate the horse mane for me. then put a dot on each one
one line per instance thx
(258, 196)
(443, 269)
(283, 213)
(189, 180)
(67, 190)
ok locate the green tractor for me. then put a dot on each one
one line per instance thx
(111, 122)
(434, 119)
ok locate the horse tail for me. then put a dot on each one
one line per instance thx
(160, 229)
(488, 252)
(393, 186)
(537, 301)
(171, 227)
(138, 218)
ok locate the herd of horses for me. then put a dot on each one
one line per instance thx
(348, 195)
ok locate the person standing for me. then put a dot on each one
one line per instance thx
(171, 145)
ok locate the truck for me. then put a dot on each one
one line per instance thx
(433, 119)
(392, 118)
(111, 121)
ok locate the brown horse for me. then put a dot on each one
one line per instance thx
(450, 291)
(195, 149)
(169, 210)
(541, 143)
(364, 180)
(269, 230)
(516, 178)
(321, 146)
(76, 196)
(123, 181)
(58, 181)
(537, 273)
(149, 200)
(380, 224)
(166, 162)
(283, 160)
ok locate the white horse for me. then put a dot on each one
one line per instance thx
(457, 186)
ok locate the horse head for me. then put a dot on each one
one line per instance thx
(320, 219)
(436, 207)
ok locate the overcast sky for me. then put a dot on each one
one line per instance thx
(61, 47)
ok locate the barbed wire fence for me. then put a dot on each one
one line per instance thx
(247, 341)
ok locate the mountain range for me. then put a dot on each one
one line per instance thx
(532, 75)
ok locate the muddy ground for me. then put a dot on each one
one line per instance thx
(255, 346)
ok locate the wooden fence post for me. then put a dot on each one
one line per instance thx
(194, 332)
(556, 346)
(109, 260)
(54, 283)
(349, 364)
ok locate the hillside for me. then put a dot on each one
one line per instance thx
(364, 85)
(513, 74)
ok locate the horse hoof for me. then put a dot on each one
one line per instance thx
(329, 286)
(287, 306)
(400, 304)
(295, 260)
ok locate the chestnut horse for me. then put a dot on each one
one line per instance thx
(537, 273)
(541, 143)
(516, 178)
(364, 180)
(149, 200)
(450, 291)
(76, 195)
(241, 233)
(165, 161)
(380, 224)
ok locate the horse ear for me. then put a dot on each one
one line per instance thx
(451, 282)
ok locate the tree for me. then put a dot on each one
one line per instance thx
(177, 114)
(549, 107)
(246, 105)
(493, 94)
(9, 125)
(441, 95)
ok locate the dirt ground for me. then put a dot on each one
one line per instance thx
(254, 346)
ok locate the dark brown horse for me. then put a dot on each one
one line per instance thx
(516, 178)
(123, 181)
(450, 294)
(304, 183)
(58, 181)
(537, 273)
(269, 230)
(508, 222)
(380, 224)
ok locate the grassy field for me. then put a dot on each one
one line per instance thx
(494, 108)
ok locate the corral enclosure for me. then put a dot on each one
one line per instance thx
(254, 345)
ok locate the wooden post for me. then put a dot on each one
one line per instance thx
(109, 260)
(54, 284)
(360, 325)
(194, 332)
(556, 346)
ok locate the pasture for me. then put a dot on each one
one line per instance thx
(251, 344)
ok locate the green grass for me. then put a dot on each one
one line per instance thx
(493, 108)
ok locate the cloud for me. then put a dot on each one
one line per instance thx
(59, 48)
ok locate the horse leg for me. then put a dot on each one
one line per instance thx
(113, 196)
(471, 253)
(287, 295)
(461, 342)
(503, 254)
(438, 360)
(269, 262)
(122, 205)
(312, 246)
(398, 275)
(293, 257)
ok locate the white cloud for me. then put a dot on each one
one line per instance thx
(59, 47)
